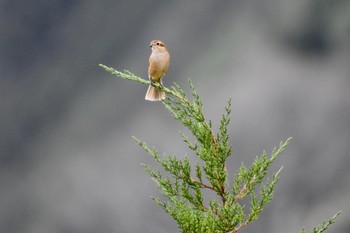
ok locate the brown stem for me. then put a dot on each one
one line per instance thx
(202, 184)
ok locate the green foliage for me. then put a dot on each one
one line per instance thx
(238, 201)
(324, 226)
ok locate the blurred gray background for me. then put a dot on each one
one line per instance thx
(67, 159)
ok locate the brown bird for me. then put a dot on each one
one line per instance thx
(158, 66)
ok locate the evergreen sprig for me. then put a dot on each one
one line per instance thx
(324, 226)
(238, 202)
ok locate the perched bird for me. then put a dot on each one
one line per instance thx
(158, 66)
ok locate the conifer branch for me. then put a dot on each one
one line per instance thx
(324, 226)
(130, 76)
(229, 213)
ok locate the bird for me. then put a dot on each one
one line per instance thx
(159, 61)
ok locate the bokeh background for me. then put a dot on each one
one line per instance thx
(67, 159)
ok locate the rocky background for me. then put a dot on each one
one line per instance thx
(67, 159)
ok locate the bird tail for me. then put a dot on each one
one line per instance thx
(154, 94)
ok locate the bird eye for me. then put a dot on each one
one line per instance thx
(158, 43)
